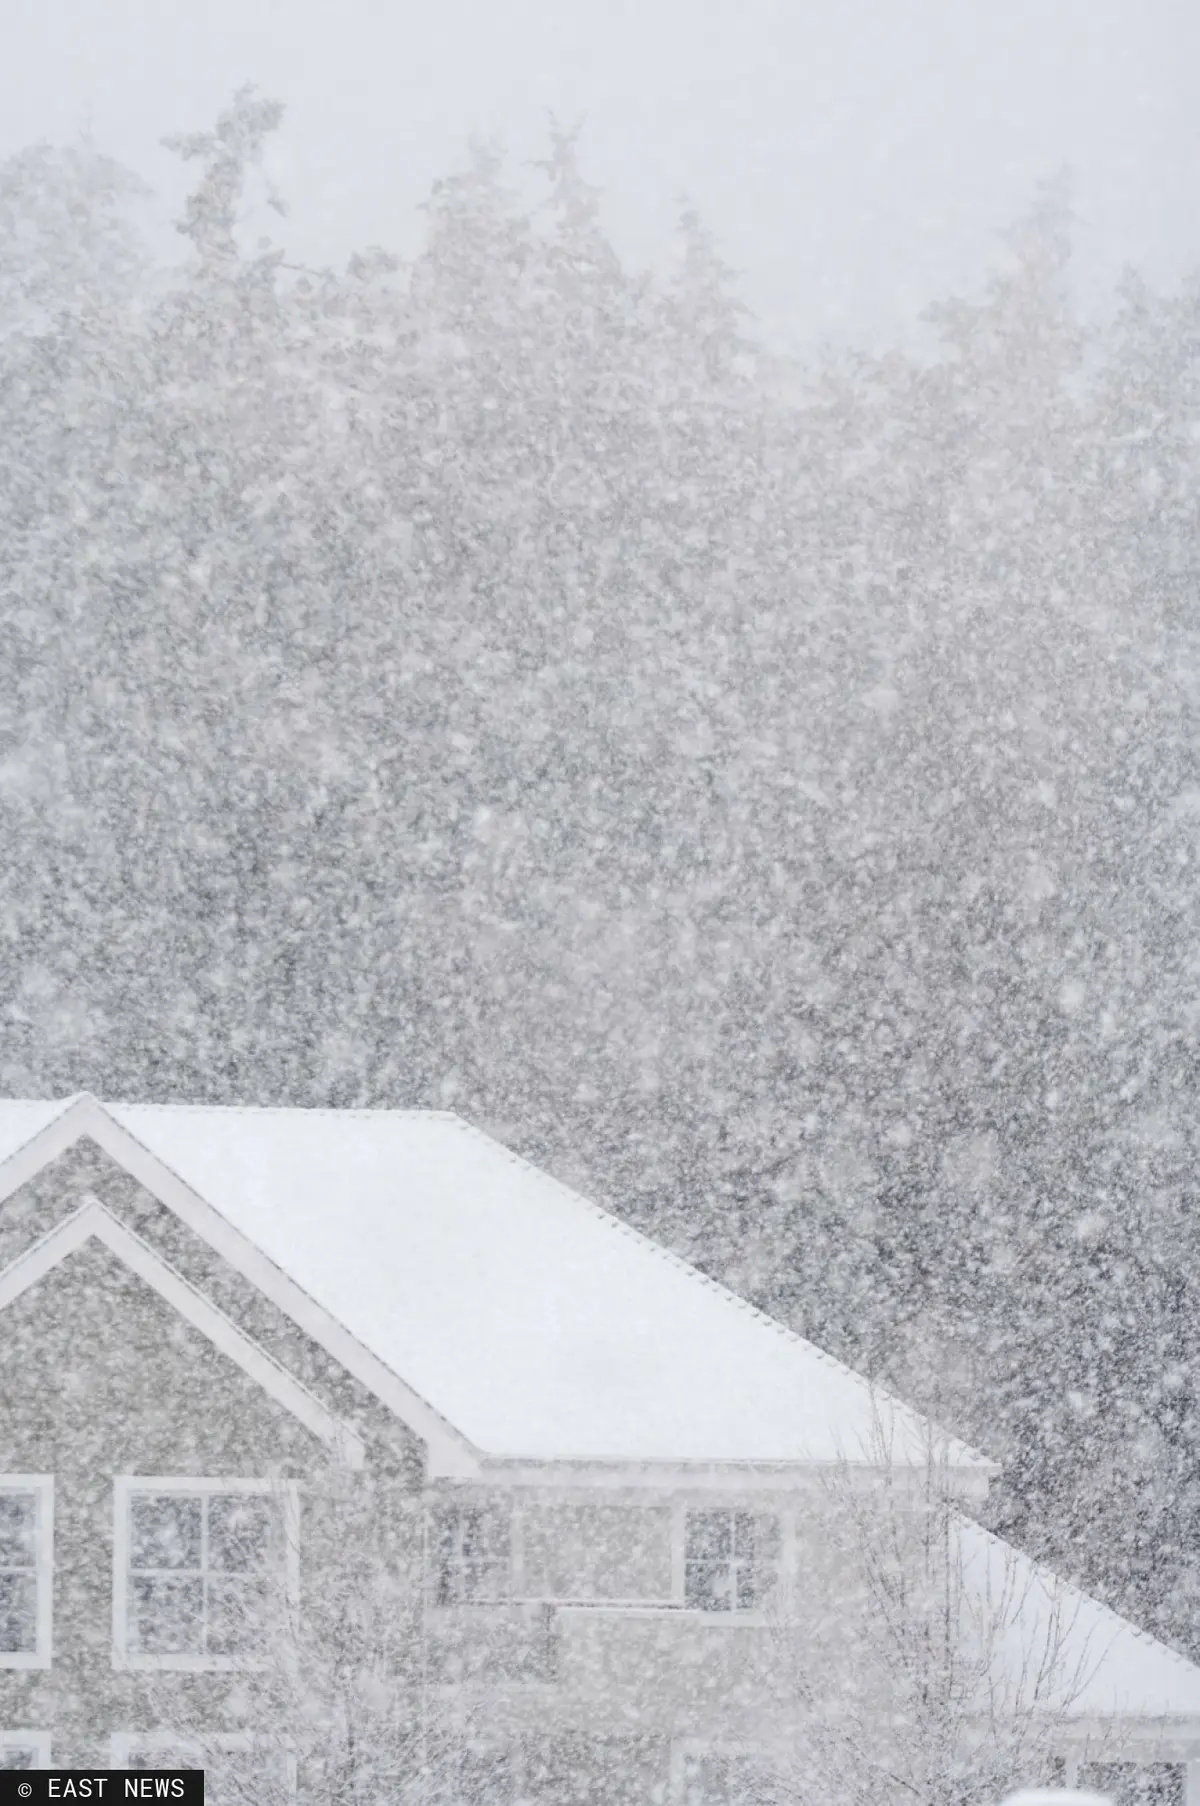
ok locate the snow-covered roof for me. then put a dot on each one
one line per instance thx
(21, 1120)
(540, 1327)
(537, 1325)
(1092, 1663)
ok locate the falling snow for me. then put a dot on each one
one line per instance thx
(761, 794)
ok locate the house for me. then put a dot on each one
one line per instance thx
(594, 1484)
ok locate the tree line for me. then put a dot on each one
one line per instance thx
(766, 796)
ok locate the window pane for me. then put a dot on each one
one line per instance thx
(459, 1583)
(164, 1530)
(18, 1614)
(18, 1529)
(162, 1756)
(709, 1535)
(745, 1535)
(167, 1615)
(446, 1534)
(240, 1527)
(707, 1586)
(756, 1536)
(750, 1586)
(16, 1755)
(459, 1534)
(237, 1616)
(472, 1535)
(471, 1552)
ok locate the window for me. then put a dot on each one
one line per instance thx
(202, 1569)
(473, 1776)
(726, 1778)
(24, 1749)
(1137, 1783)
(731, 1560)
(26, 1569)
(239, 1769)
(471, 1555)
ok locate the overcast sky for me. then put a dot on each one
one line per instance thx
(855, 156)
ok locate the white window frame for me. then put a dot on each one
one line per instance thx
(124, 1487)
(674, 1599)
(785, 1567)
(43, 1486)
(37, 1741)
(503, 1515)
(193, 1744)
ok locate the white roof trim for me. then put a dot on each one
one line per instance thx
(449, 1454)
(673, 1475)
(94, 1222)
(48, 1143)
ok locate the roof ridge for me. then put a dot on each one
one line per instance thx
(679, 1261)
(280, 1109)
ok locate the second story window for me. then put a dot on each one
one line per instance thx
(201, 1571)
(470, 1552)
(731, 1560)
(26, 1571)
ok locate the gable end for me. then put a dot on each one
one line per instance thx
(93, 1221)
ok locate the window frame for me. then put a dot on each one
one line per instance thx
(125, 1487)
(42, 1486)
(194, 1744)
(37, 1741)
(775, 1599)
(498, 1523)
(778, 1603)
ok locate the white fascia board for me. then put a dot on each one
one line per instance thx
(93, 1221)
(711, 1476)
(1126, 1737)
(448, 1453)
(77, 1118)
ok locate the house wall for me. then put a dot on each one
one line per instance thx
(86, 1171)
(632, 1679)
(586, 1666)
(584, 1675)
(99, 1378)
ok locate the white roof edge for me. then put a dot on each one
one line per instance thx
(93, 1221)
(968, 1486)
(449, 1454)
(795, 1464)
(46, 1143)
